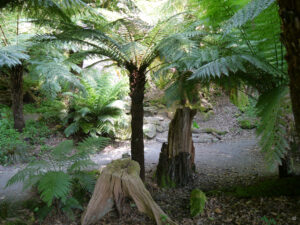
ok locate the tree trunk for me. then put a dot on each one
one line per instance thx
(176, 160)
(285, 168)
(289, 11)
(137, 81)
(120, 179)
(16, 79)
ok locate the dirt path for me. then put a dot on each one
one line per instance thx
(218, 162)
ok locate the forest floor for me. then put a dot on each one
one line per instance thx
(223, 161)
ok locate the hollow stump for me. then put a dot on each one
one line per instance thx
(176, 160)
(118, 180)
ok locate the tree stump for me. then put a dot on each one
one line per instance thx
(176, 160)
(118, 180)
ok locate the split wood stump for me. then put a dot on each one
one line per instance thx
(118, 180)
(176, 160)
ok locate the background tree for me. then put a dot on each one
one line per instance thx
(131, 44)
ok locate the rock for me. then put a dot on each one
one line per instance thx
(162, 127)
(152, 120)
(149, 130)
(203, 138)
(161, 140)
(150, 110)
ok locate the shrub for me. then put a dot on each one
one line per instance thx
(12, 147)
(96, 111)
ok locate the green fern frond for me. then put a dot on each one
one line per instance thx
(93, 144)
(247, 13)
(87, 180)
(11, 56)
(272, 129)
(54, 184)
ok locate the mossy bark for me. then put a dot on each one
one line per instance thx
(120, 179)
(176, 160)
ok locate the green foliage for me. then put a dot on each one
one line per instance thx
(268, 221)
(272, 109)
(96, 112)
(12, 147)
(269, 188)
(197, 202)
(64, 167)
(51, 111)
(247, 124)
(12, 55)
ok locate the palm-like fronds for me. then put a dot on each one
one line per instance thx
(96, 110)
(272, 109)
(12, 55)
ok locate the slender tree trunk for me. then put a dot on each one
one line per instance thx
(16, 79)
(137, 81)
(289, 11)
(176, 160)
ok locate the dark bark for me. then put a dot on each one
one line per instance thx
(176, 160)
(16, 79)
(289, 11)
(137, 81)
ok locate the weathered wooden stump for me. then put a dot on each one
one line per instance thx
(176, 160)
(118, 180)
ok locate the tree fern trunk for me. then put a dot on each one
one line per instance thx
(137, 81)
(16, 79)
(289, 11)
(176, 160)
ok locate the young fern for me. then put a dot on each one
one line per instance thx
(54, 176)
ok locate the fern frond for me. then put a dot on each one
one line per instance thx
(247, 13)
(271, 109)
(54, 184)
(87, 180)
(12, 55)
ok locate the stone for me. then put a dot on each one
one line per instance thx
(162, 127)
(161, 140)
(149, 130)
(203, 138)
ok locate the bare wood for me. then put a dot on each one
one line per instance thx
(120, 179)
(176, 160)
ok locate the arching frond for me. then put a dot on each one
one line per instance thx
(247, 13)
(12, 55)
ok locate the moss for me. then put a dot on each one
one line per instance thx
(247, 124)
(167, 182)
(197, 202)
(239, 98)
